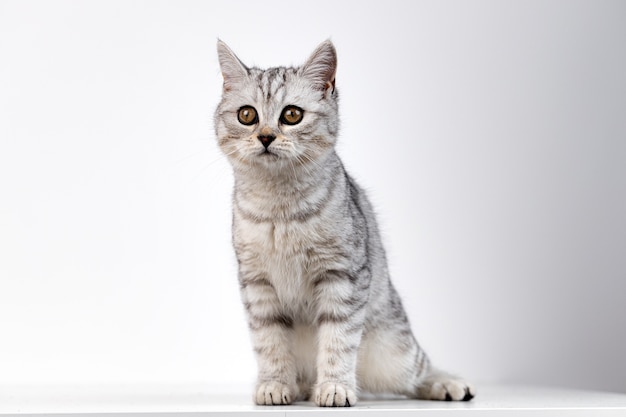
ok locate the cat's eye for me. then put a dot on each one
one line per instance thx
(247, 115)
(291, 115)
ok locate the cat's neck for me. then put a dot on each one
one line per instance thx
(284, 193)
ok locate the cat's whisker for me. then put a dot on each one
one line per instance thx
(210, 164)
(221, 157)
(309, 159)
(293, 169)
(185, 158)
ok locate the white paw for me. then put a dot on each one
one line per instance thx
(446, 388)
(333, 394)
(273, 393)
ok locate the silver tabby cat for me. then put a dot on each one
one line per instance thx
(325, 319)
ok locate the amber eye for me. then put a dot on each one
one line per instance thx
(247, 115)
(291, 115)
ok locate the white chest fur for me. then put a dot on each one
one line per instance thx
(281, 251)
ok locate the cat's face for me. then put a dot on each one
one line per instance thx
(280, 118)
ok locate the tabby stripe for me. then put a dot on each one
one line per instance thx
(364, 284)
(356, 327)
(334, 350)
(333, 317)
(354, 194)
(333, 276)
(363, 268)
(396, 306)
(262, 304)
(255, 281)
(305, 132)
(269, 351)
(282, 320)
(422, 362)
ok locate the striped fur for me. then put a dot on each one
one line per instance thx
(324, 317)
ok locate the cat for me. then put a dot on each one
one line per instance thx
(324, 318)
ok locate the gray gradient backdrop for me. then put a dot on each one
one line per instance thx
(490, 135)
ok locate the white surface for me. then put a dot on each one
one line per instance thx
(499, 400)
(490, 135)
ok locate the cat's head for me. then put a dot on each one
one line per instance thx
(280, 118)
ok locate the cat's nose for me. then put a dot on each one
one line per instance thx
(266, 139)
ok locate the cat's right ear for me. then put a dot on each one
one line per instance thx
(233, 70)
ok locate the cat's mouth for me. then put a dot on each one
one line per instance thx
(266, 153)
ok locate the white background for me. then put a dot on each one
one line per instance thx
(491, 137)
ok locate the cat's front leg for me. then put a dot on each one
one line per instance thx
(340, 317)
(272, 337)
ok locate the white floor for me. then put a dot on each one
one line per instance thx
(492, 400)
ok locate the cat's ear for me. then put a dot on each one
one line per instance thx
(233, 70)
(321, 67)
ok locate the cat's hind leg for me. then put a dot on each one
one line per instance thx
(391, 361)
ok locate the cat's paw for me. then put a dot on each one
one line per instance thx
(446, 389)
(273, 393)
(334, 394)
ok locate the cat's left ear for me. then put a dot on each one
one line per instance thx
(232, 68)
(321, 67)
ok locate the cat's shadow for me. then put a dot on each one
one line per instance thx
(391, 401)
